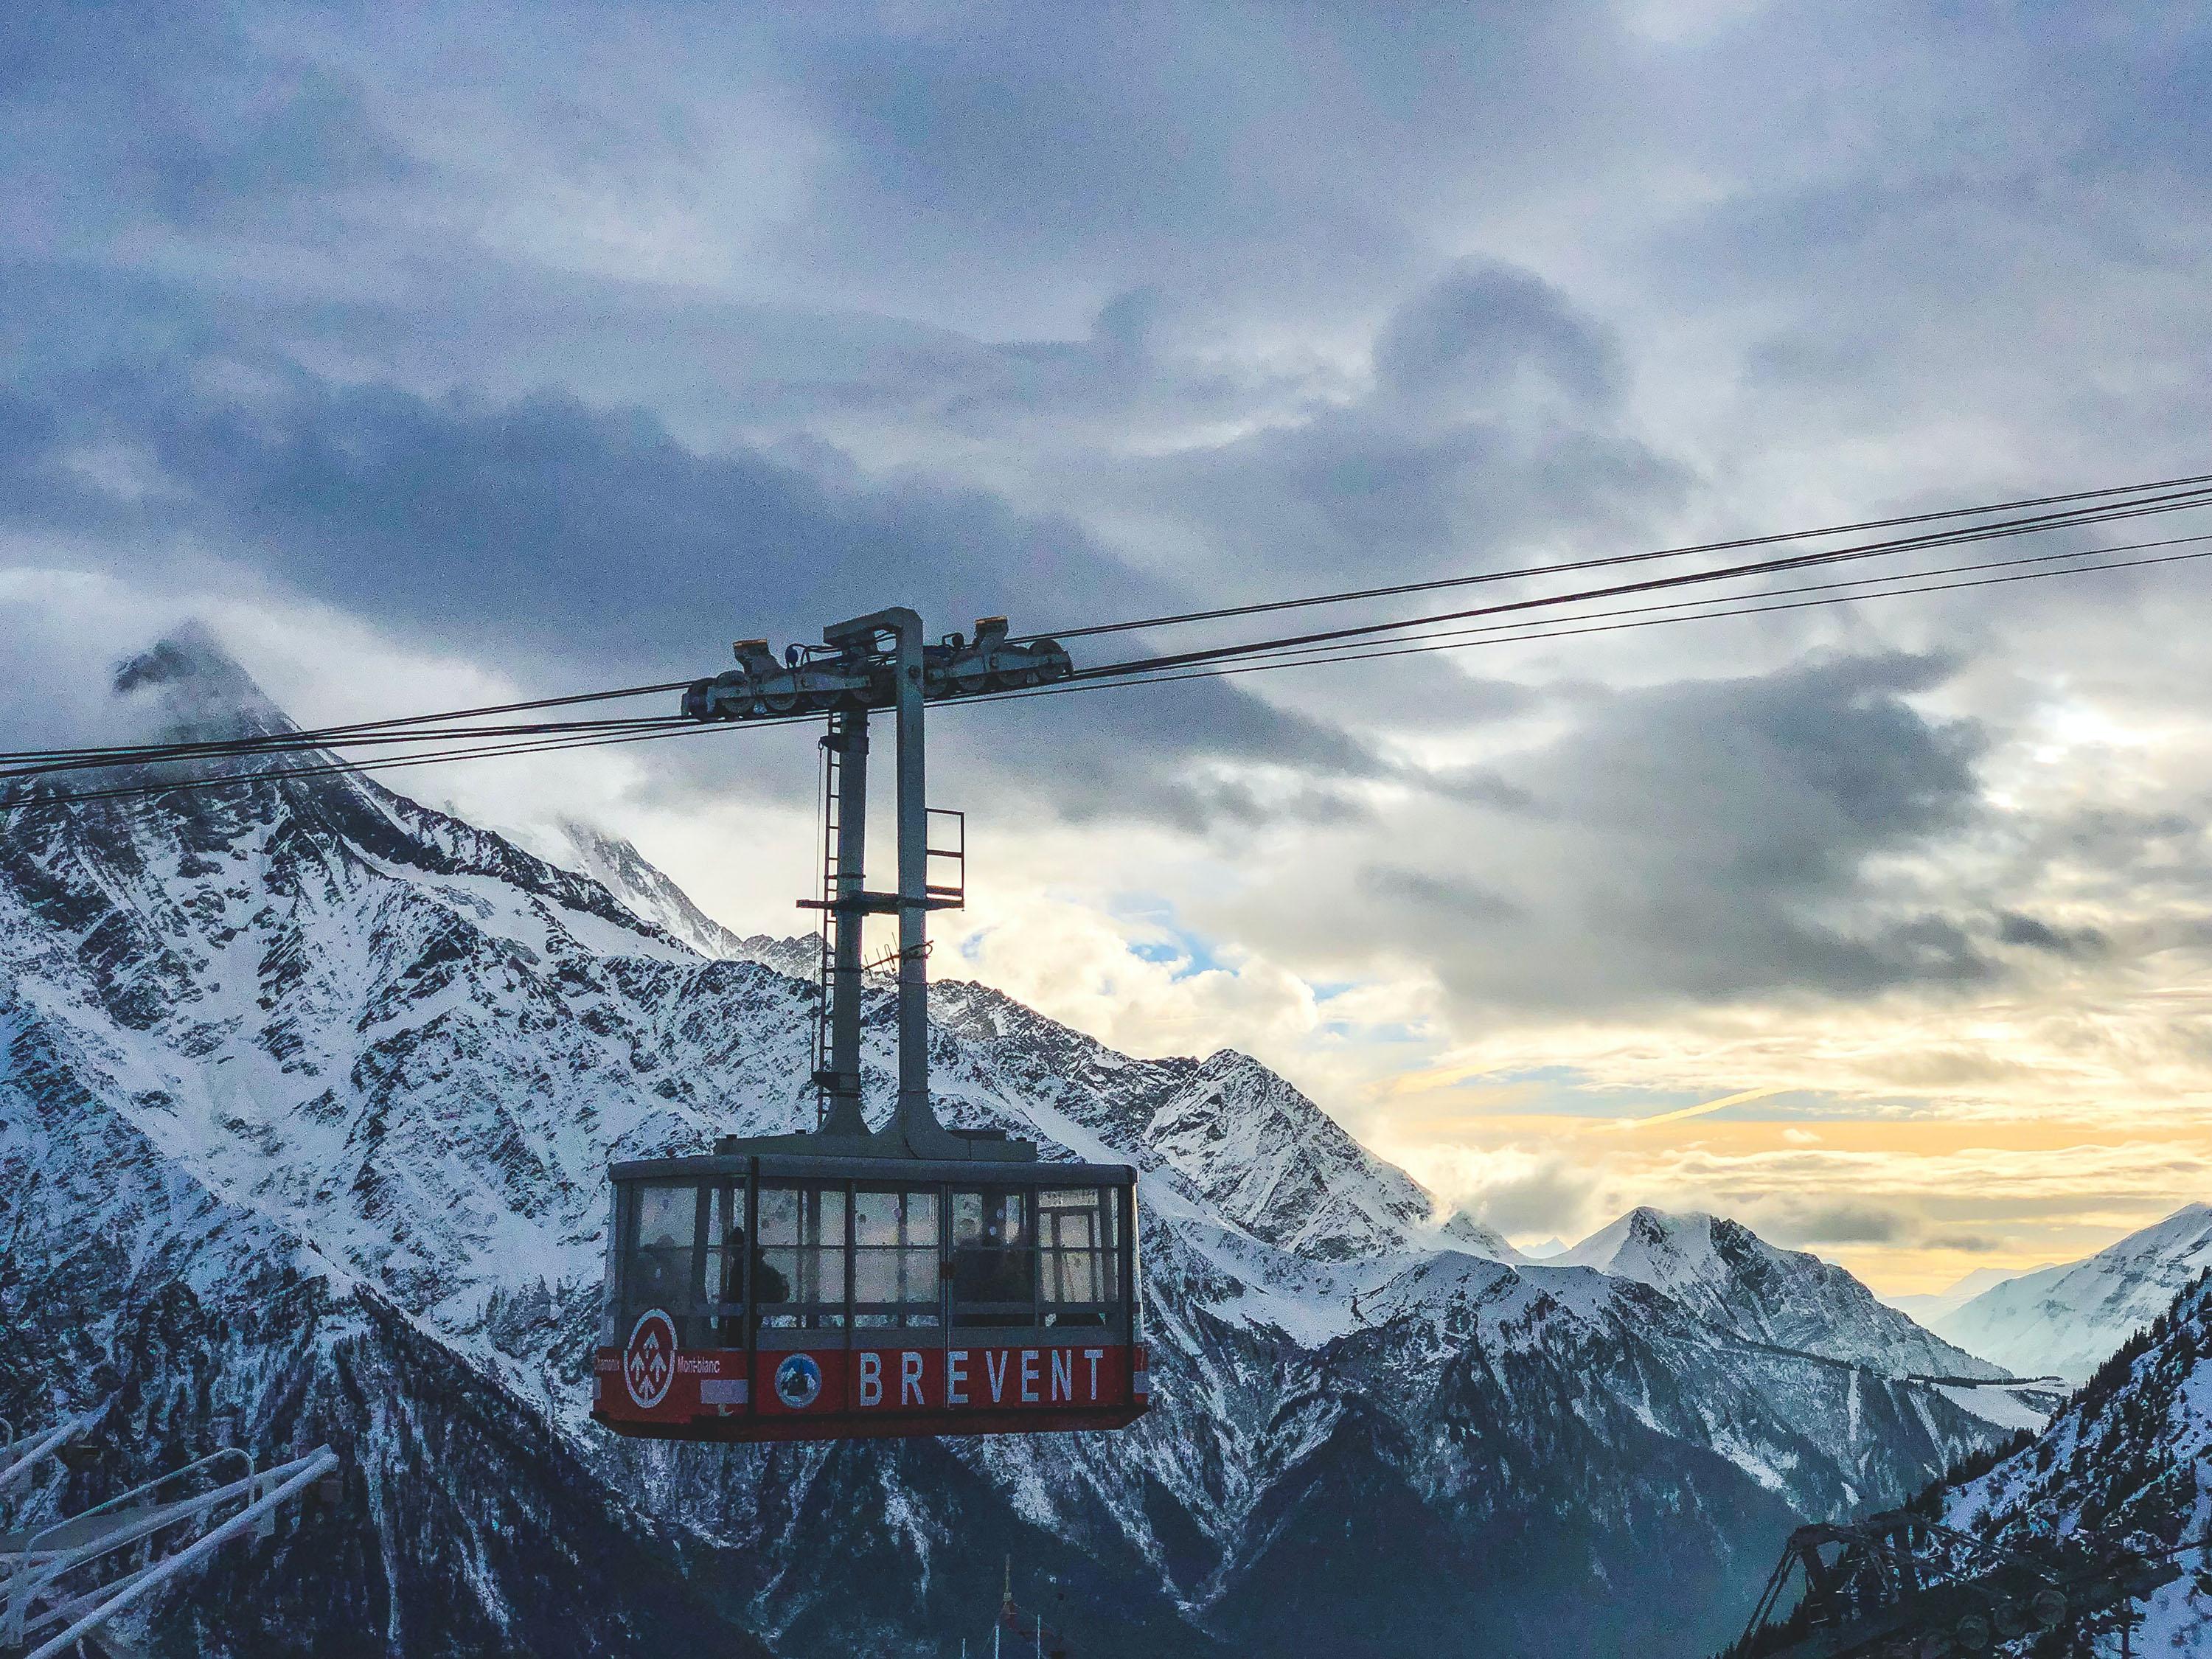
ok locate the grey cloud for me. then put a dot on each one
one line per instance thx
(596, 535)
(1490, 334)
(310, 139)
(1157, 138)
(1703, 842)
(2016, 928)
(1791, 775)
(1153, 755)
(1799, 1223)
(1795, 1223)
(183, 120)
(1482, 785)
(1549, 1195)
(1454, 901)
(545, 531)
(1494, 411)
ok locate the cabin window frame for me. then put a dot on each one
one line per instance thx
(727, 1314)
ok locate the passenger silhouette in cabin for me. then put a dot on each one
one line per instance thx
(769, 1285)
(992, 1260)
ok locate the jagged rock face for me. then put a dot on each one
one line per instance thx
(2064, 1321)
(302, 1044)
(1729, 1275)
(2130, 1456)
(463, 1527)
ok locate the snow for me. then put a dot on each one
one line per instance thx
(2128, 1460)
(1994, 1403)
(1734, 1279)
(2062, 1321)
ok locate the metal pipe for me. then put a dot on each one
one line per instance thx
(311, 1469)
(913, 1109)
(44, 1446)
(26, 1584)
(848, 737)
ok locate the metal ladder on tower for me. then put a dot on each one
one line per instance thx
(833, 777)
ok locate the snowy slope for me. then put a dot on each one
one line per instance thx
(1926, 1307)
(1727, 1274)
(644, 891)
(339, 1034)
(2062, 1321)
(2129, 1457)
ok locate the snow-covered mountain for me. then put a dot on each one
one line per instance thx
(307, 1097)
(2129, 1457)
(1927, 1306)
(647, 893)
(2064, 1321)
(1728, 1274)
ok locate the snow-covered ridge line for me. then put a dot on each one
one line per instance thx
(2065, 1320)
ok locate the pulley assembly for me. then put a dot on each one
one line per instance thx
(815, 679)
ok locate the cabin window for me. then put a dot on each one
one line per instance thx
(994, 1258)
(610, 1280)
(722, 1276)
(799, 1271)
(894, 1240)
(667, 1232)
(1079, 1269)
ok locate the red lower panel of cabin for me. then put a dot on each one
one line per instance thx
(651, 1388)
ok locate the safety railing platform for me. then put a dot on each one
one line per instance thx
(51, 1597)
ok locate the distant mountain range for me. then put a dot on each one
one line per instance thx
(1929, 1306)
(1734, 1279)
(306, 1096)
(2064, 1321)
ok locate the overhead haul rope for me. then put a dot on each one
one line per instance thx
(216, 749)
(432, 758)
(2117, 501)
(1358, 643)
(1510, 631)
(1594, 622)
(125, 753)
(2074, 518)
(1352, 595)
(1377, 650)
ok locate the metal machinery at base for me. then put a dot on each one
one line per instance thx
(843, 1282)
(1899, 1585)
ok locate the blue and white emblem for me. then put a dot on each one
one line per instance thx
(798, 1382)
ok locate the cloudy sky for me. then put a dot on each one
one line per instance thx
(432, 353)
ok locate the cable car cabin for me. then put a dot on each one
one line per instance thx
(842, 1282)
(794, 1297)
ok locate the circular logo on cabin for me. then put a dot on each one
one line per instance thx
(649, 1360)
(798, 1382)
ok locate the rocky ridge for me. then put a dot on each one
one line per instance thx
(1732, 1277)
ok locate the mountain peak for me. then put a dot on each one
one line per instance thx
(2065, 1320)
(1636, 1233)
(196, 690)
(1650, 1220)
(1729, 1275)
